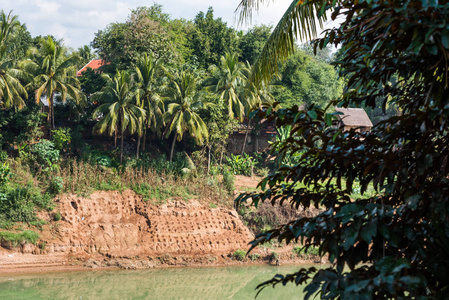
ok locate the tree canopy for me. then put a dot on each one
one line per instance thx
(393, 241)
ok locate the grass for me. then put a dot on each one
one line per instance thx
(26, 236)
(239, 255)
(83, 178)
(306, 253)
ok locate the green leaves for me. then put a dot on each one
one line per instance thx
(395, 239)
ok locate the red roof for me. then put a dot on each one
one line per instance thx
(94, 64)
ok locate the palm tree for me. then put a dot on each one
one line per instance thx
(119, 112)
(227, 80)
(146, 69)
(183, 101)
(11, 89)
(298, 22)
(55, 72)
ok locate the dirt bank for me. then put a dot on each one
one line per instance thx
(110, 229)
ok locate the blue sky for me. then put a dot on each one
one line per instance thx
(76, 21)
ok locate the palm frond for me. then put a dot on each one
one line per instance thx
(300, 21)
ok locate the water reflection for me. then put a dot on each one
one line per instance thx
(185, 283)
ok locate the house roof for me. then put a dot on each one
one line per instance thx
(94, 64)
(354, 117)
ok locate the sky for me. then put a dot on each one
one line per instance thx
(77, 21)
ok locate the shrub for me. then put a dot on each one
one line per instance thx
(228, 181)
(5, 173)
(239, 255)
(254, 256)
(17, 204)
(62, 138)
(44, 202)
(3, 155)
(57, 216)
(45, 153)
(56, 185)
(303, 252)
(264, 172)
(274, 256)
(241, 165)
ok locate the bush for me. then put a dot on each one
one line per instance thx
(5, 173)
(3, 155)
(56, 185)
(254, 256)
(264, 172)
(45, 153)
(17, 205)
(62, 138)
(44, 201)
(241, 165)
(57, 216)
(239, 255)
(303, 252)
(228, 181)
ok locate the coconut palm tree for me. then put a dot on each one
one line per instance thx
(55, 73)
(300, 21)
(183, 100)
(227, 80)
(12, 92)
(146, 69)
(119, 112)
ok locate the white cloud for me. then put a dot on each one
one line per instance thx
(78, 20)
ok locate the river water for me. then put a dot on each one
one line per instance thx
(176, 283)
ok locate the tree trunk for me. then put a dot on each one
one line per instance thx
(221, 154)
(246, 136)
(144, 138)
(138, 146)
(121, 147)
(208, 160)
(256, 143)
(115, 138)
(172, 148)
(50, 103)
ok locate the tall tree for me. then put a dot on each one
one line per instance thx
(148, 92)
(392, 242)
(119, 112)
(55, 73)
(183, 101)
(12, 92)
(252, 42)
(228, 80)
(211, 38)
(304, 80)
(147, 29)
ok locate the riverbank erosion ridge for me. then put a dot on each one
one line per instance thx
(119, 229)
(115, 225)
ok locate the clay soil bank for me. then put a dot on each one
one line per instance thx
(111, 229)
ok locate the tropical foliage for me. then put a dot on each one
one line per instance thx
(391, 244)
(54, 73)
(11, 90)
(119, 112)
(183, 101)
